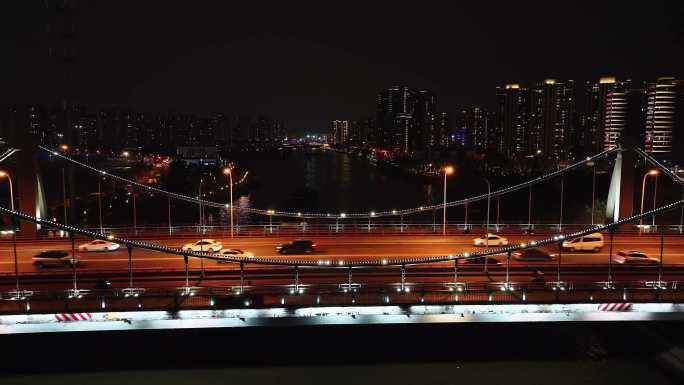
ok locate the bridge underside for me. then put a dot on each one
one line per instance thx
(343, 315)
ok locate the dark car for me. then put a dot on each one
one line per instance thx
(536, 255)
(299, 246)
(478, 261)
(53, 258)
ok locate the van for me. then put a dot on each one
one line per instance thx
(592, 242)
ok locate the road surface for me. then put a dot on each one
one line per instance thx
(336, 248)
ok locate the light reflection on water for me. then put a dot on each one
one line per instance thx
(510, 373)
(334, 182)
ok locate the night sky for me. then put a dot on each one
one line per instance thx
(308, 64)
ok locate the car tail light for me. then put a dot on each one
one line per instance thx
(313, 245)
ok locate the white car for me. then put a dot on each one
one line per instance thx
(634, 256)
(204, 245)
(491, 240)
(99, 245)
(234, 253)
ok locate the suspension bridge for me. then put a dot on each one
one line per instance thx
(372, 266)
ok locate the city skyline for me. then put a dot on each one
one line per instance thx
(554, 118)
(211, 62)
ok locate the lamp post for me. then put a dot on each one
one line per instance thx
(448, 170)
(560, 218)
(643, 190)
(655, 195)
(592, 164)
(529, 211)
(99, 203)
(227, 171)
(64, 149)
(270, 219)
(168, 212)
(498, 206)
(489, 193)
(135, 213)
(5, 174)
(200, 227)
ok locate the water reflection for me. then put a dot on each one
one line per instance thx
(330, 181)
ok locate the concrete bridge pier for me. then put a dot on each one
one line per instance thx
(620, 203)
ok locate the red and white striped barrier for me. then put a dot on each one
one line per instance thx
(68, 317)
(615, 306)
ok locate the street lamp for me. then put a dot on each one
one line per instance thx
(448, 170)
(200, 227)
(592, 164)
(270, 219)
(643, 189)
(5, 174)
(489, 194)
(99, 202)
(227, 171)
(64, 148)
(655, 195)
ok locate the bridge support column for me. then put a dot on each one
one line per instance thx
(26, 172)
(73, 259)
(455, 273)
(130, 265)
(620, 202)
(169, 214)
(187, 276)
(403, 278)
(610, 258)
(242, 277)
(296, 282)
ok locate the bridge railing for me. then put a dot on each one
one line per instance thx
(294, 264)
(308, 229)
(167, 298)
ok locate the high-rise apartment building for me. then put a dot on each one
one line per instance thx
(605, 116)
(426, 133)
(394, 110)
(512, 109)
(472, 123)
(663, 120)
(557, 119)
(339, 131)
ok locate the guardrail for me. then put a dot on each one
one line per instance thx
(307, 229)
(76, 293)
(478, 292)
